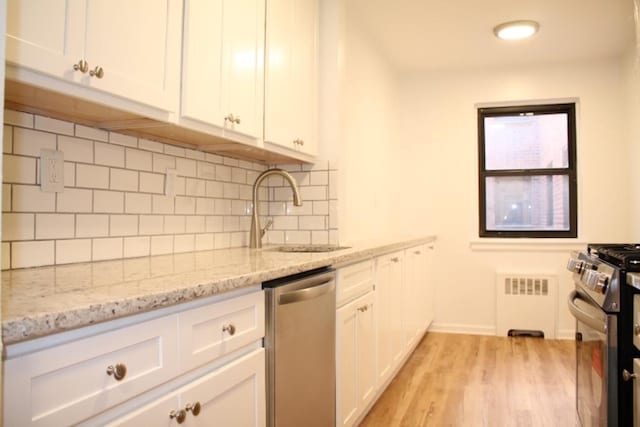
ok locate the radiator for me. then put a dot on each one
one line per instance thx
(526, 302)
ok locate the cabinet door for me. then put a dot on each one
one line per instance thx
(390, 337)
(157, 413)
(415, 293)
(366, 310)
(231, 396)
(291, 74)
(223, 64)
(137, 45)
(46, 36)
(429, 289)
(347, 364)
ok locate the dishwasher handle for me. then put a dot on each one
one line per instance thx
(583, 316)
(313, 291)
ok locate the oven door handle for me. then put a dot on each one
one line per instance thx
(583, 316)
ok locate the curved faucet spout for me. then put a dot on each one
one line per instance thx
(255, 237)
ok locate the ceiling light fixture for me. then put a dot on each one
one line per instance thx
(515, 30)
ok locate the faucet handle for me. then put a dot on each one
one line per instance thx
(266, 226)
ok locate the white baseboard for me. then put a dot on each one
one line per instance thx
(566, 334)
(456, 328)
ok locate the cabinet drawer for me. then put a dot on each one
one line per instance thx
(353, 281)
(209, 332)
(66, 384)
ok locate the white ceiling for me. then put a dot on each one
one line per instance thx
(449, 34)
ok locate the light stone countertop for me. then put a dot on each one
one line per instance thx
(46, 300)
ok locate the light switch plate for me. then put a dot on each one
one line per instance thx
(51, 171)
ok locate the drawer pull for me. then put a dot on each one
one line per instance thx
(417, 252)
(229, 328)
(179, 415)
(97, 72)
(81, 66)
(119, 371)
(395, 259)
(363, 308)
(194, 408)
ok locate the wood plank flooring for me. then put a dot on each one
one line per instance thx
(471, 380)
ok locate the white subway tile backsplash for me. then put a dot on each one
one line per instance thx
(137, 246)
(111, 248)
(74, 200)
(6, 256)
(108, 201)
(6, 197)
(125, 140)
(123, 225)
(137, 203)
(108, 154)
(113, 204)
(145, 144)
(90, 176)
(75, 250)
(333, 185)
(17, 226)
(29, 198)
(91, 133)
(29, 142)
(92, 225)
(18, 169)
(124, 180)
(151, 183)
(195, 224)
(76, 149)
(7, 139)
(138, 159)
(184, 243)
(53, 125)
(174, 224)
(32, 254)
(151, 224)
(163, 204)
(55, 226)
(163, 162)
(161, 245)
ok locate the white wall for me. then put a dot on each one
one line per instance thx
(440, 137)
(632, 66)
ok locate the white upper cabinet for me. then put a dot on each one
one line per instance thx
(291, 77)
(223, 68)
(123, 48)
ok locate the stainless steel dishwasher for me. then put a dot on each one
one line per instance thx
(300, 344)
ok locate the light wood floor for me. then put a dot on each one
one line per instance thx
(471, 380)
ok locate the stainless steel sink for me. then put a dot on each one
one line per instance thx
(308, 248)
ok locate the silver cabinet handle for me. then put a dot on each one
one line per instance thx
(230, 328)
(97, 72)
(179, 415)
(233, 119)
(119, 371)
(194, 408)
(395, 259)
(312, 291)
(82, 66)
(363, 308)
(417, 252)
(583, 316)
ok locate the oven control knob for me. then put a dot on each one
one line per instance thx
(601, 283)
(575, 265)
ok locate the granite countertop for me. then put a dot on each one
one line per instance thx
(46, 300)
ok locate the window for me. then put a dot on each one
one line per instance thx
(527, 168)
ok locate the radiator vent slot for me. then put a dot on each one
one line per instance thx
(526, 302)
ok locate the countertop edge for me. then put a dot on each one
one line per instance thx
(23, 328)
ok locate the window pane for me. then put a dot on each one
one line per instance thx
(527, 203)
(526, 142)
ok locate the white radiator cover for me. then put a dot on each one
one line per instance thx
(526, 302)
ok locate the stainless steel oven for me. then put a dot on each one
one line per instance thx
(596, 362)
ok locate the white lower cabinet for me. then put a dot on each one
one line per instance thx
(355, 348)
(233, 395)
(134, 372)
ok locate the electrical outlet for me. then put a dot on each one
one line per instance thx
(51, 171)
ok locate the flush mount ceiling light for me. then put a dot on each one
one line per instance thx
(515, 30)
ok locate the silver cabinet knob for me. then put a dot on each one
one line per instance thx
(417, 252)
(82, 66)
(97, 72)
(298, 141)
(194, 408)
(179, 415)
(230, 329)
(363, 308)
(119, 371)
(233, 119)
(636, 329)
(395, 259)
(626, 375)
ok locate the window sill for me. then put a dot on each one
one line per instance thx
(527, 245)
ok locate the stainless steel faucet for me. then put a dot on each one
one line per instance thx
(255, 238)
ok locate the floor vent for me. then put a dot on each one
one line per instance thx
(526, 302)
